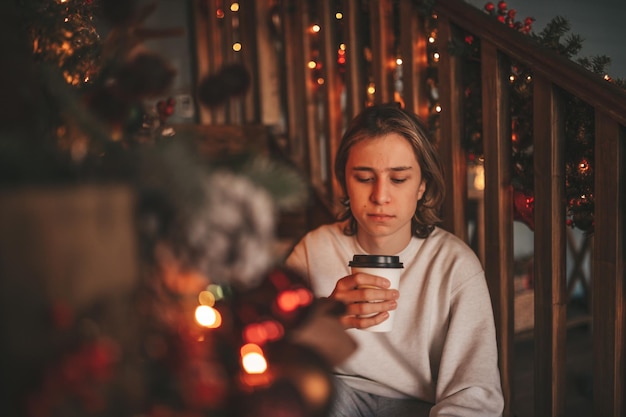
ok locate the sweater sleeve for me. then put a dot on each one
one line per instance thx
(468, 382)
(297, 260)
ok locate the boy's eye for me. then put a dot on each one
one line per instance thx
(364, 179)
(398, 180)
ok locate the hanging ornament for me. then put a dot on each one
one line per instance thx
(231, 81)
(146, 75)
(524, 208)
(583, 220)
(165, 108)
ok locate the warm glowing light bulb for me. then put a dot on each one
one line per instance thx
(254, 363)
(583, 167)
(338, 15)
(237, 46)
(252, 359)
(371, 89)
(288, 301)
(316, 28)
(399, 61)
(320, 81)
(479, 179)
(234, 7)
(208, 317)
(312, 64)
(431, 39)
(436, 56)
(438, 108)
(511, 78)
(206, 298)
(260, 333)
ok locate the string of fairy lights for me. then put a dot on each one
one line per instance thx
(317, 67)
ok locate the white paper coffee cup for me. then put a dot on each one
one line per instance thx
(384, 266)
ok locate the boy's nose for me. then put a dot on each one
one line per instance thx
(380, 193)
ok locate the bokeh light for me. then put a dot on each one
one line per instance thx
(252, 359)
(207, 316)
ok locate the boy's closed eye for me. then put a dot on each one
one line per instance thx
(399, 180)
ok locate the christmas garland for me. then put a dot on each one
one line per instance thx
(579, 120)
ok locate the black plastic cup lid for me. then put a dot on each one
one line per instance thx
(376, 261)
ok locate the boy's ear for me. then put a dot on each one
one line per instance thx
(421, 189)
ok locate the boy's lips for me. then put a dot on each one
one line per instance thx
(379, 216)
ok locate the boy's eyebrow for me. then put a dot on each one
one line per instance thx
(394, 169)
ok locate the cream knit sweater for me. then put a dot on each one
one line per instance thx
(443, 347)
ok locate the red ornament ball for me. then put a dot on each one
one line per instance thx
(524, 208)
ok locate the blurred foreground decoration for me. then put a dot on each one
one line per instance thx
(140, 277)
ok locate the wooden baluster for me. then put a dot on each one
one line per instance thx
(499, 206)
(333, 89)
(298, 94)
(608, 278)
(356, 75)
(252, 33)
(216, 53)
(382, 53)
(550, 245)
(451, 136)
(413, 41)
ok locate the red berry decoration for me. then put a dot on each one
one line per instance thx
(502, 6)
(165, 108)
(490, 7)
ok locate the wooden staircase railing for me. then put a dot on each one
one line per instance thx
(552, 75)
(315, 114)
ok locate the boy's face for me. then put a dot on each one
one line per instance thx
(384, 183)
